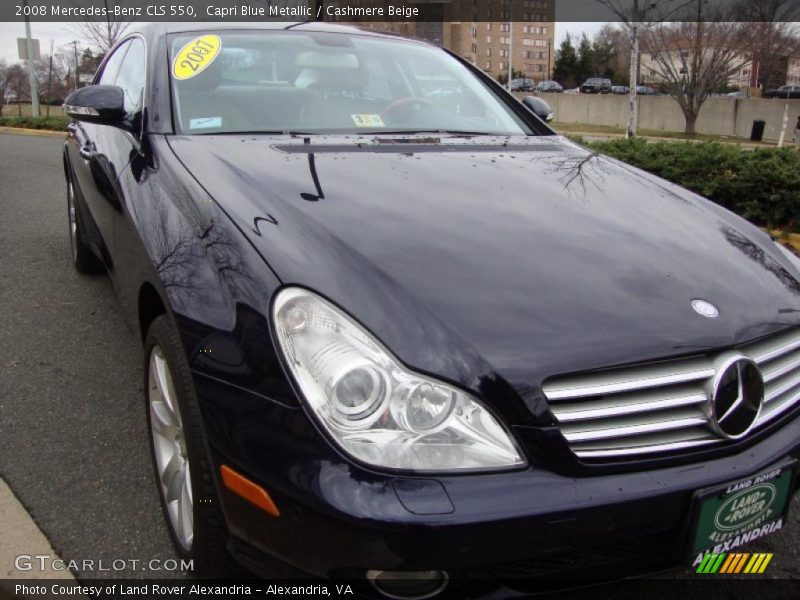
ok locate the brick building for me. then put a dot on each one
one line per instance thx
(487, 33)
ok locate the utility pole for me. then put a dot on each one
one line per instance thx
(108, 24)
(31, 67)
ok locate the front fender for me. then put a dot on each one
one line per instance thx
(214, 285)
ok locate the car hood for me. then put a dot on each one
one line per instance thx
(498, 259)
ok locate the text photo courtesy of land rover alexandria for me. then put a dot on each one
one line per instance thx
(415, 339)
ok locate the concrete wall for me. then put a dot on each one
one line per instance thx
(719, 116)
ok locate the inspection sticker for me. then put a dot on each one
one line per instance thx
(196, 56)
(367, 120)
(205, 123)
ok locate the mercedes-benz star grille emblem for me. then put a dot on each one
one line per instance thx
(705, 308)
(736, 396)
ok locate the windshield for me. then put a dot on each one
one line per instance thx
(307, 82)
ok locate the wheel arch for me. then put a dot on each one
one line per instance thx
(150, 306)
(65, 161)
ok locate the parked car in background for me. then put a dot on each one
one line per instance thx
(596, 85)
(549, 85)
(739, 94)
(644, 90)
(522, 85)
(785, 91)
(619, 89)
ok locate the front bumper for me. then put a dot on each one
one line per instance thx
(512, 529)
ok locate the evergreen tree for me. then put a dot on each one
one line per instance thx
(566, 63)
(585, 64)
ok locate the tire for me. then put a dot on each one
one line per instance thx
(83, 259)
(203, 538)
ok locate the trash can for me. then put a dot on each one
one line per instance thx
(758, 130)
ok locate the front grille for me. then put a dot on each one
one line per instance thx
(658, 408)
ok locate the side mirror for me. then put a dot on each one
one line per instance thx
(539, 107)
(103, 104)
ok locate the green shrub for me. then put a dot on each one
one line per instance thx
(52, 123)
(762, 185)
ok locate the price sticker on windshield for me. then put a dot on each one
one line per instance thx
(196, 56)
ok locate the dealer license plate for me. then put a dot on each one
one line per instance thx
(737, 513)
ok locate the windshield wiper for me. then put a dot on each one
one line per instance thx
(426, 131)
(260, 132)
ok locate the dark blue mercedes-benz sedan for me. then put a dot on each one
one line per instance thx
(397, 331)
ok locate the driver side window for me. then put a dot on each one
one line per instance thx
(111, 68)
(131, 76)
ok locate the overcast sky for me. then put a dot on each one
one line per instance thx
(62, 34)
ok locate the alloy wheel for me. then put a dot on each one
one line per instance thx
(169, 447)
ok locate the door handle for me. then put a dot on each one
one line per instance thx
(86, 152)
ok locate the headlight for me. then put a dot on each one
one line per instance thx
(374, 408)
(793, 259)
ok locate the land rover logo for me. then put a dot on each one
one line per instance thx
(704, 308)
(737, 393)
(746, 507)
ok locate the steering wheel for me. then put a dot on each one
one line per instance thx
(400, 102)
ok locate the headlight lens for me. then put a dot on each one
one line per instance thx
(377, 410)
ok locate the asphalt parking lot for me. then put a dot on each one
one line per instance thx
(73, 446)
(73, 443)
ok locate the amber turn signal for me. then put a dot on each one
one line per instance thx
(252, 492)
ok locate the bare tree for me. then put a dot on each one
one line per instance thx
(3, 83)
(774, 37)
(611, 52)
(636, 16)
(18, 84)
(99, 34)
(695, 57)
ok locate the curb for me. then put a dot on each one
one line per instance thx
(736, 142)
(23, 537)
(33, 132)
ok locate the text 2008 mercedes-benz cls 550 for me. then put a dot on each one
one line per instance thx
(398, 331)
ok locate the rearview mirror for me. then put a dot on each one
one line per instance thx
(103, 104)
(539, 107)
